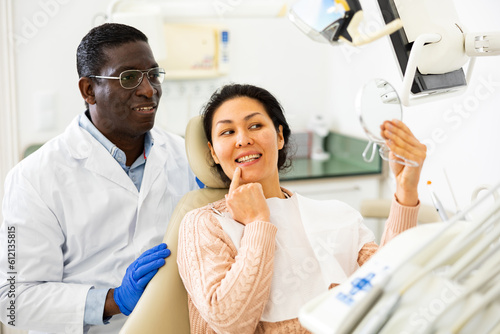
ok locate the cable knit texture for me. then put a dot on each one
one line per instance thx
(227, 289)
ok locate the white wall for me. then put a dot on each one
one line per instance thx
(307, 77)
(47, 34)
(271, 53)
(8, 116)
(268, 52)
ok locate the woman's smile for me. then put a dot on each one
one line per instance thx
(248, 158)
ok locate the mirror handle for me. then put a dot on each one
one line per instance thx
(365, 152)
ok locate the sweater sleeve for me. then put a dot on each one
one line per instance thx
(229, 288)
(401, 218)
(368, 250)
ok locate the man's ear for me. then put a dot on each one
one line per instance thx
(212, 152)
(87, 90)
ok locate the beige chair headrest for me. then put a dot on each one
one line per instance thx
(198, 154)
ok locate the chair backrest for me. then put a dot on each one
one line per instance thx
(163, 307)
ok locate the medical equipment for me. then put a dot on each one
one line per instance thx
(377, 102)
(482, 187)
(452, 262)
(451, 191)
(319, 129)
(431, 47)
(437, 203)
(184, 50)
(335, 21)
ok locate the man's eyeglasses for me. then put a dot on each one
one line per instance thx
(131, 79)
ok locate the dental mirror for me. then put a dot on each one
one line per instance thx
(377, 102)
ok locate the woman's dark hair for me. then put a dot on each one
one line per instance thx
(90, 54)
(271, 105)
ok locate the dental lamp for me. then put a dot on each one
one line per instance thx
(429, 42)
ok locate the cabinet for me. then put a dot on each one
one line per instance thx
(351, 190)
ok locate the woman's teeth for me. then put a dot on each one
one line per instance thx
(248, 158)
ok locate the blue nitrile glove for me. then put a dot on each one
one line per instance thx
(138, 275)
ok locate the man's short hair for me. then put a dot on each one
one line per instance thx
(90, 55)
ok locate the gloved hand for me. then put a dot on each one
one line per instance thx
(138, 275)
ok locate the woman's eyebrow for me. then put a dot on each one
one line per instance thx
(224, 121)
(251, 115)
(246, 118)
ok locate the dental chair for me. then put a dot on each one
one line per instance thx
(380, 208)
(163, 307)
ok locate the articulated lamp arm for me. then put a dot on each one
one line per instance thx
(359, 38)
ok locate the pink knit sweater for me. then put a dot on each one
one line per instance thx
(228, 289)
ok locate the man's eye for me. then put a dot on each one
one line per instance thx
(128, 77)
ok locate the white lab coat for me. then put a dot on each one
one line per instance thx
(80, 222)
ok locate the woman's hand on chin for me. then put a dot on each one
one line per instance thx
(246, 202)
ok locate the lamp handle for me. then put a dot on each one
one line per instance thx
(482, 44)
(359, 38)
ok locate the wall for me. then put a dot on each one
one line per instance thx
(8, 116)
(268, 52)
(265, 52)
(47, 33)
(307, 77)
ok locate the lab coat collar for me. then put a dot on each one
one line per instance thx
(82, 145)
(82, 151)
(117, 153)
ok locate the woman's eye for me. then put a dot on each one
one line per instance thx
(227, 132)
(255, 126)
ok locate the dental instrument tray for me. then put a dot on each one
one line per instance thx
(434, 278)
